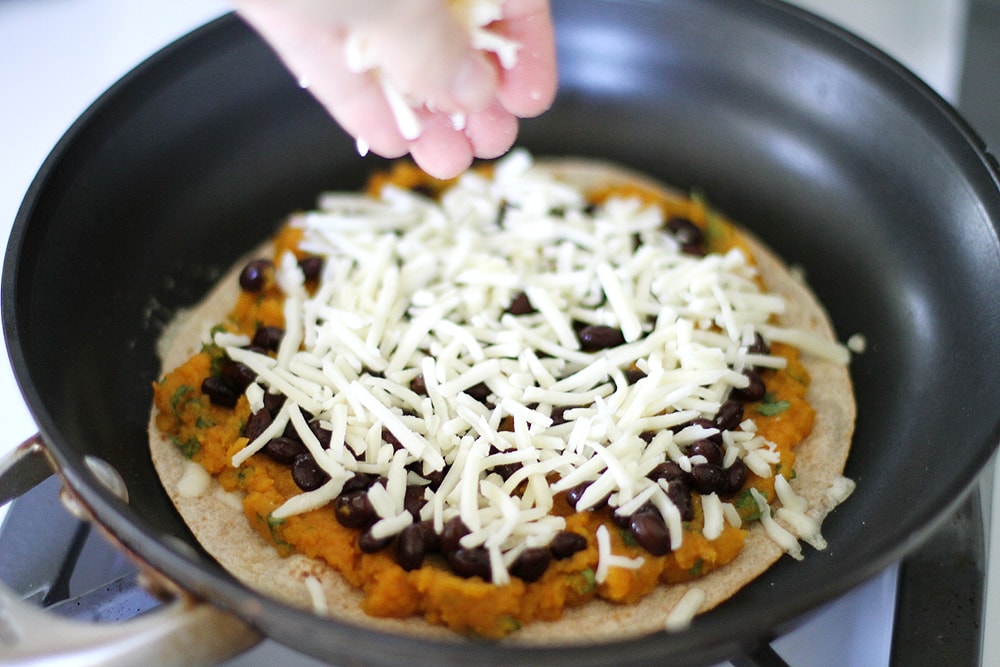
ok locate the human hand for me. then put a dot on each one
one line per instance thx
(464, 103)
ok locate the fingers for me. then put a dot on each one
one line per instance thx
(492, 131)
(529, 88)
(314, 52)
(441, 151)
(425, 54)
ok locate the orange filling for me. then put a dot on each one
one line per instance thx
(210, 435)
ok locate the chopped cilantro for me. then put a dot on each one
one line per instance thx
(696, 569)
(204, 421)
(747, 506)
(188, 448)
(217, 355)
(628, 538)
(274, 526)
(509, 623)
(771, 406)
(177, 400)
(583, 582)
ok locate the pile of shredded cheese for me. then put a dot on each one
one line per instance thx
(413, 286)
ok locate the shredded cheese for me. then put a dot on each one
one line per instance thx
(685, 610)
(416, 288)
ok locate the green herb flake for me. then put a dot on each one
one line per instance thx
(204, 421)
(771, 406)
(188, 448)
(747, 506)
(217, 355)
(274, 526)
(509, 624)
(583, 582)
(628, 538)
(181, 396)
(696, 569)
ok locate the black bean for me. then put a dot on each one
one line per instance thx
(419, 385)
(680, 495)
(354, 510)
(694, 249)
(285, 450)
(311, 266)
(650, 532)
(371, 544)
(236, 374)
(390, 439)
(736, 477)
(414, 500)
(729, 416)
(633, 374)
(706, 478)
(754, 391)
(435, 477)
(521, 305)
(307, 473)
(759, 345)
(359, 482)
(453, 531)
(573, 496)
(558, 415)
(432, 541)
(471, 563)
(599, 337)
(480, 392)
(705, 447)
(566, 543)
(531, 564)
(411, 547)
(685, 231)
(704, 423)
(220, 392)
(505, 470)
(273, 402)
(254, 275)
(256, 424)
(621, 520)
(268, 338)
(322, 434)
(668, 471)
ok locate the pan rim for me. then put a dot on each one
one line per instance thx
(105, 505)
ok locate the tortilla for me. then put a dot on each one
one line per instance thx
(216, 520)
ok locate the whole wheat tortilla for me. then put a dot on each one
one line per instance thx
(217, 521)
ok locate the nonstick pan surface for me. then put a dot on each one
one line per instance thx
(832, 153)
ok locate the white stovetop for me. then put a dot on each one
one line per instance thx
(57, 56)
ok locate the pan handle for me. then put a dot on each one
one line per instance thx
(183, 632)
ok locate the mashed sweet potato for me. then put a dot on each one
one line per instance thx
(210, 435)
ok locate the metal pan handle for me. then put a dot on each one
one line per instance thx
(184, 632)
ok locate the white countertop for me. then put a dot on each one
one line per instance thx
(57, 56)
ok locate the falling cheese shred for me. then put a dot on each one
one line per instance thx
(389, 309)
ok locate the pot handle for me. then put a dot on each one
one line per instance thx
(183, 632)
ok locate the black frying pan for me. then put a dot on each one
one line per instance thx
(836, 156)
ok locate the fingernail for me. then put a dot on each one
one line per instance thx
(474, 85)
